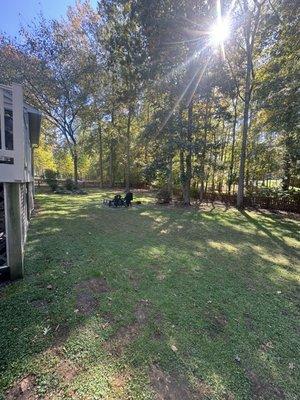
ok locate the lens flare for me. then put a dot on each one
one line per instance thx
(219, 32)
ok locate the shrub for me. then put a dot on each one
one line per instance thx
(70, 185)
(51, 179)
(163, 196)
(275, 193)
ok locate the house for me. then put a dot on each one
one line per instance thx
(19, 133)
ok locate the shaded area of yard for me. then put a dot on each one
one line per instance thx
(152, 303)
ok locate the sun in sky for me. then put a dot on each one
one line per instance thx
(219, 32)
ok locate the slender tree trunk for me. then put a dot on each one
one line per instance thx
(213, 180)
(187, 200)
(100, 155)
(170, 176)
(241, 185)
(247, 178)
(127, 150)
(112, 153)
(286, 180)
(112, 163)
(230, 175)
(250, 34)
(183, 176)
(75, 164)
(146, 144)
(215, 155)
(205, 186)
(202, 163)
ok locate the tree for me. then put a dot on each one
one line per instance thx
(56, 66)
(278, 85)
(251, 15)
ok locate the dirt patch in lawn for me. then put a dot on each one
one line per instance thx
(157, 333)
(263, 390)
(85, 303)
(94, 285)
(215, 324)
(66, 370)
(23, 389)
(141, 311)
(86, 291)
(124, 336)
(127, 334)
(61, 333)
(118, 384)
(171, 387)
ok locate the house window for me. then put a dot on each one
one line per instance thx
(8, 124)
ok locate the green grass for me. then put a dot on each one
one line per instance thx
(220, 286)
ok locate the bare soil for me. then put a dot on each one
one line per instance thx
(170, 387)
(23, 389)
(86, 291)
(262, 390)
(127, 334)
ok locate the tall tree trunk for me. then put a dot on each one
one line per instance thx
(203, 155)
(231, 165)
(222, 156)
(215, 156)
(112, 163)
(170, 176)
(241, 185)
(100, 154)
(112, 153)
(75, 163)
(205, 186)
(249, 34)
(286, 180)
(183, 176)
(127, 150)
(146, 144)
(187, 200)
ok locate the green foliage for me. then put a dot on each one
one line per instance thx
(276, 193)
(164, 196)
(51, 179)
(70, 184)
(138, 95)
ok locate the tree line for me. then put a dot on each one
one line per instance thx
(136, 92)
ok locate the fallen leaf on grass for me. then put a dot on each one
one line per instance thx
(46, 330)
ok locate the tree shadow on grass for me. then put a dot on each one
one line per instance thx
(204, 297)
(288, 250)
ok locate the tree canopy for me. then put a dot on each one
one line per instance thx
(192, 96)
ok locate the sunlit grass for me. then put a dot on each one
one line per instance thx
(219, 285)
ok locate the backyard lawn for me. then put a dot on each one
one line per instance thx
(152, 302)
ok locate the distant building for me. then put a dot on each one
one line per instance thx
(19, 132)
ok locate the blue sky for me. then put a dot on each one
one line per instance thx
(14, 12)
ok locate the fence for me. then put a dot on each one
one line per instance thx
(40, 181)
(286, 203)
